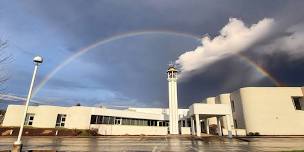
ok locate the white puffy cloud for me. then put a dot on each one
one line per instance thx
(233, 38)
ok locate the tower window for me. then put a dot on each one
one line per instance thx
(172, 74)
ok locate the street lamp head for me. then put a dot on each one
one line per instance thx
(38, 60)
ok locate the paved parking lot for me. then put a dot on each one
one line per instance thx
(153, 143)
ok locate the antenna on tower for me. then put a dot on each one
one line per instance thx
(171, 64)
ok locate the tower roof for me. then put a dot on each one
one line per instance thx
(171, 68)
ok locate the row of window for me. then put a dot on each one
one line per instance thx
(99, 119)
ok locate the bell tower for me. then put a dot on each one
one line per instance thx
(173, 106)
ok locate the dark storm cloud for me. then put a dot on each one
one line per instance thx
(83, 22)
(224, 76)
(131, 72)
(232, 73)
(139, 68)
(133, 69)
(284, 67)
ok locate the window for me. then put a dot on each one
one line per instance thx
(152, 123)
(93, 119)
(111, 120)
(235, 124)
(60, 122)
(29, 119)
(145, 122)
(232, 106)
(166, 123)
(99, 119)
(125, 121)
(117, 121)
(172, 74)
(161, 123)
(298, 103)
(105, 120)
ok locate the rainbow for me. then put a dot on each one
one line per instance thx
(261, 70)
(86, 49)
(101, 42)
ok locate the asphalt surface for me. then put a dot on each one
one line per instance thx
(152, 143)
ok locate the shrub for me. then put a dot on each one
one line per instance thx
(251, 134)
(257, 134)
(78, 104)
(93, 132)
(84, 133)
(76, 132)
(213, 129)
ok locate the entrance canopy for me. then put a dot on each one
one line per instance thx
(209, 109)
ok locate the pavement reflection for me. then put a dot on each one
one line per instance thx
(154, 143)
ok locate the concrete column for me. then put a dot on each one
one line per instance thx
(186, 122)
(219, 127)
(229, 126)
(192, 126)
(207, 125)
(198, 125)
(17, 148)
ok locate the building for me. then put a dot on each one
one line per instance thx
(269, 111)
(265, 110)
(260, 110)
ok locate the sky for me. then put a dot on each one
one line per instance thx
(116, 53)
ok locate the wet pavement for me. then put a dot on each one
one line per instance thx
(154, 143)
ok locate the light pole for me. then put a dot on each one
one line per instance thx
(18, 144)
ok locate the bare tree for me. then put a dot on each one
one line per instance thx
(78, 104)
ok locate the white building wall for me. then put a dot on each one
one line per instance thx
(128, 113)
(270, 110)
(225, 99)
(209, 109)
(212, 120)
(45, 116)
(237, 114)
(162, 111)
(76, 117)
(13, 115)
(130, 130)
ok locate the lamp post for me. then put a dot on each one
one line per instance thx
(18, 144)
